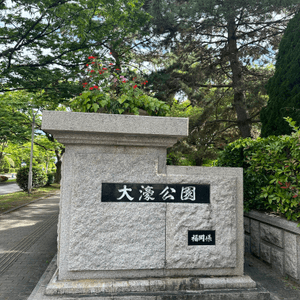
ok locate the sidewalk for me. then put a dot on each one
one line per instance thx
(27, 245)
(280, 287)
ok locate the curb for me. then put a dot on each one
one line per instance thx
(15, 208)
(44, 280)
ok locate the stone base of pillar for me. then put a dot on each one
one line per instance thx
(189, 288)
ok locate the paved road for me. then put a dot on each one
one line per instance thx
(27, 245)
(10, 187)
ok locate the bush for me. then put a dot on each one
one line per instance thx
(50, 178)
(39, 178)
(3, 178)
(271, 172)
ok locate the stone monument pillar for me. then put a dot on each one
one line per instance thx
(131, 227)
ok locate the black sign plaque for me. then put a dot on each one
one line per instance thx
(201, 237)
(145, 192)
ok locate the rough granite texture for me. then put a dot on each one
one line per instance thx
(105, 238)
(113, 124)
(277, 258)
(271, 234)
(278, 234)
(138, 240)
(247, 225)
(291, 259)
(219, 216)
(114, 236)
(255, 237)
(265, 252)
(247, 243)
(217, 288)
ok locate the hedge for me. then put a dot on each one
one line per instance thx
(39, 178)
(50, 178)
(271, 172)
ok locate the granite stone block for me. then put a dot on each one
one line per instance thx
(240, 282)
(255, 237)
(277, 259)
(290, 254)
(265, 252)
(114, 236)
(247, 243)
(113, 123)
(271, 234)
(112, 241)
(220, 216)
(247, 225)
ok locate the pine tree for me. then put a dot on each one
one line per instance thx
(284, 87)
(226, 37)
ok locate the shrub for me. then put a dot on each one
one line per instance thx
(271, 172)
(50, 178)
(39, 178)
(3, 178)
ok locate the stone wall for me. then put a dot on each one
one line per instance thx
(275, 241)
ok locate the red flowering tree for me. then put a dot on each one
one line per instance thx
(108, 89)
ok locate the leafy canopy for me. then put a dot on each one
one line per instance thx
(44, 44)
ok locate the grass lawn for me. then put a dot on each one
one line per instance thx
(12, 200)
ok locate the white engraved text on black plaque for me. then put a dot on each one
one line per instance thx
(145, 192)
(201, 237)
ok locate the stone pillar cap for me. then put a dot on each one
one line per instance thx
(63, 124)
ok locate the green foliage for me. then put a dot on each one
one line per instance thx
(49, 41)
(111, 91)
(39, 178)
(6, 164)
(14, 122)
(42, 157)
(208, 131)
(284, 87)
(271, 172)
(50, 178)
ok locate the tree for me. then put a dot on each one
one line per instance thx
(16, 121)
(224, 38)
(210, 128)
(284, 87)
(11, 122)
(42, 157)
(44, 49)
(45, 44)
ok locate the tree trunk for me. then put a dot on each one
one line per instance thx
(237, 81)
(59, 154)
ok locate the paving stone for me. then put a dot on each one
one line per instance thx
(19, 279)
